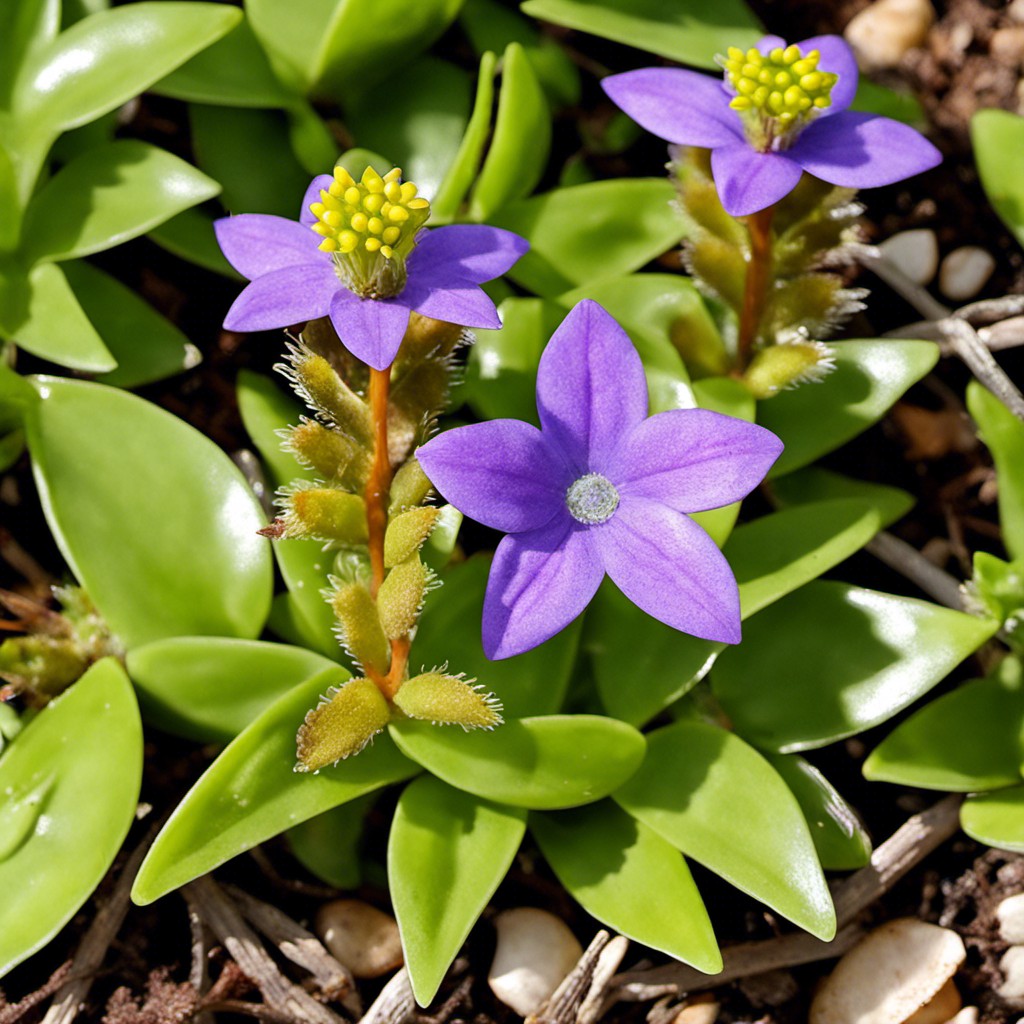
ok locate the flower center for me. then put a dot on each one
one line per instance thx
(592, 499)
(777, 93)
(369, 228)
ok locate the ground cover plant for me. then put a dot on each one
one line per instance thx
(521, 484)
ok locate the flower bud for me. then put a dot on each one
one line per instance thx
(359, 626)
(426, 337)
(719, 267)
(317, 383)
(323, 513)
(409, 488)
(784, 366)
(346, 719)
(448, 700)
(407, 532)
(401, 596)
(329, 453)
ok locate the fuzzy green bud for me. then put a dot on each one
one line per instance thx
(41, 666)
(784, 366)
(346, 719)
(359, 626)
(426, 337)
(407, 532)
(448, 700)
(323, 513)
(317, 383)
(409, 488)
(329, 453)
(401, 596)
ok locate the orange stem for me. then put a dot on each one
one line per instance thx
(378, 487)
(755, 289)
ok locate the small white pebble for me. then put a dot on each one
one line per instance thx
(964, 272)
(915, 252)
(697, 1013)
(1012, 966)
(363, 938)
(968, 1015)
(882, 33)
(1011, 919)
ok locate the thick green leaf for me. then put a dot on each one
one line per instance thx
(721, 803)
(640, 664)
(590, 233)
(251, 793)
(998, 138)
(868, 379)
(109, 195)
(266, 409)
(830, 660)
(873, 98)
(996, 818)
(521, 140)
(817, 484)
(305, 567)
(533, 683)
(111, 56)
(39, 312)
(964, 741)
(629, 878)
(190, 236)
(543, 763)
(25, 28)
(420, 128)
(842, 842)
(1004, 435)
(209, 688)
(447, 853)
(328, 845)
(312, 142)
(69, 785)
(147, 346)
(689, 31)
(154, 519)
(10, 203)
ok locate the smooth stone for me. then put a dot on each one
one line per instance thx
(1011, 919)
(968, 1015)
(915, 252)
(361, 937)
(697, 1013)
(882, 33)
(534, 953)
(964, 272)
(892, 974)
(1012, 966)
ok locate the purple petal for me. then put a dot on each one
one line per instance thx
(676, 105)
(693, 459)
(668, 566)
(258, 243)
(283, 297)
(837, 57)
(321, 181)
(860, 150)
(371, 329)
(457, 302)
(766, 44)
(591, 388)
(539, 582)
(748, 181)
(466, 252)
(502, 473)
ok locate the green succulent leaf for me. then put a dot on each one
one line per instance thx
(10, 203)
(155, 521)
(873, 98)
(762, 846)
(998, 139)
(629, 878)
(251, 793)
(265, 409)
(816, 484)
(830, 660)
(70, 786)
(327, 845)
(543, 763)
(996, 818)
(209, 688)
(190, 236)
(25, 28)
(868, 379)
(447, 853)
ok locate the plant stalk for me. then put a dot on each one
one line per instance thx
(755, 288)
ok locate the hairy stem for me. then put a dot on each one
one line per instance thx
(755, 288)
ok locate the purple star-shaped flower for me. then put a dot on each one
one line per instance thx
(292, 280)
(840, 146)
(600, 488)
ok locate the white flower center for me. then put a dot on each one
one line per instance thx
(592, 499)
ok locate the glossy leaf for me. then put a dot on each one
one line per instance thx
(209, 688)
(545, 763)
(111, 56)
(40, 312)
(147, 346)
(251, 793)
(868, 379)
(10, 203)
(154, 519)
(590, 233)
(762, 845)
(964, 741)
(108, 195)
(692, 32)
(630, 878)
(25, 28)
(998, 139)
(305, 567)
(996, 819)
(265, 409)
(190, 236)
(533, 683)
(816, 484)
(1003, 433)
(873, 98)
(831, 660)
(521, 140)
(69, 786)
(839, 836)
(447, 854)
(328, 845)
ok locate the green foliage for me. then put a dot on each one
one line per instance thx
(998, 138)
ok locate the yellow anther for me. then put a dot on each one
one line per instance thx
(393, 191)
(777, 56)
(347, 241)
(359, 222)
(373, 202)
(371, 244)
(371, 178)
(322, 229)
(735, 53)
(811, 81)
(328, 245)
(398, 214)
(375, 226)
(764, 76)
(334, 218)
(418, 204)
(391, 235)
(395, 174)
(408, 192)
(342, 177)
(386, 251)
(791, 54)
(353, 195)
(317, 209)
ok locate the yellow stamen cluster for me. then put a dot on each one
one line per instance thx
(784, 85)
(379, 215)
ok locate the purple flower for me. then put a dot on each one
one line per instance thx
(777, 114)
(357, 255)
(600, 488)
